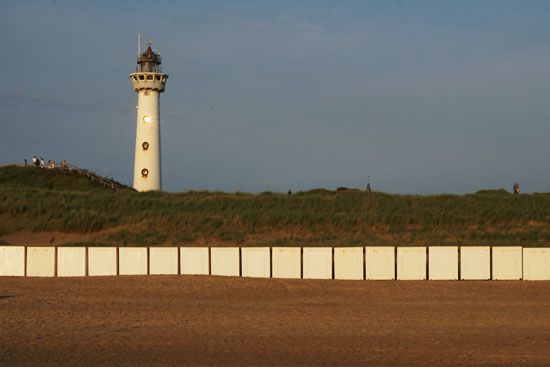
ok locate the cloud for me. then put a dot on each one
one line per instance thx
(41, 101)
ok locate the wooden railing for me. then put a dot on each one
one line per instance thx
(96, 178)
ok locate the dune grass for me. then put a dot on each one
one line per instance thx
(314, 218)
(52, 179)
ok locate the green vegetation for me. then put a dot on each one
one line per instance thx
(52, 179)
(29, 201)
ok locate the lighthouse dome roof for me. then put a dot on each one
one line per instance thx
(149, 56)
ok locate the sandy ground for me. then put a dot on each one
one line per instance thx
(29, 238)
(186, 320)
(42, 238)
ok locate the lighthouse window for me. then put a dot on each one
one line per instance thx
(157, 77)
(145, 145)
(144, 172)
(141, 77)
(149, 77)
(146, 118)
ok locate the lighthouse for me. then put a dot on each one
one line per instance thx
(148, 82)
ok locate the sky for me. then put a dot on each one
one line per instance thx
(425, 97)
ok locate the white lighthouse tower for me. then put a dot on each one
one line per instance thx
(148, 81)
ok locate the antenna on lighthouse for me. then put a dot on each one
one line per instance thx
(149, 41)
(139, 44)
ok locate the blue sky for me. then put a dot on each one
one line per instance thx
(423, 96)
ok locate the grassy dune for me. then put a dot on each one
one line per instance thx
(56, 179)
(313, 218)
